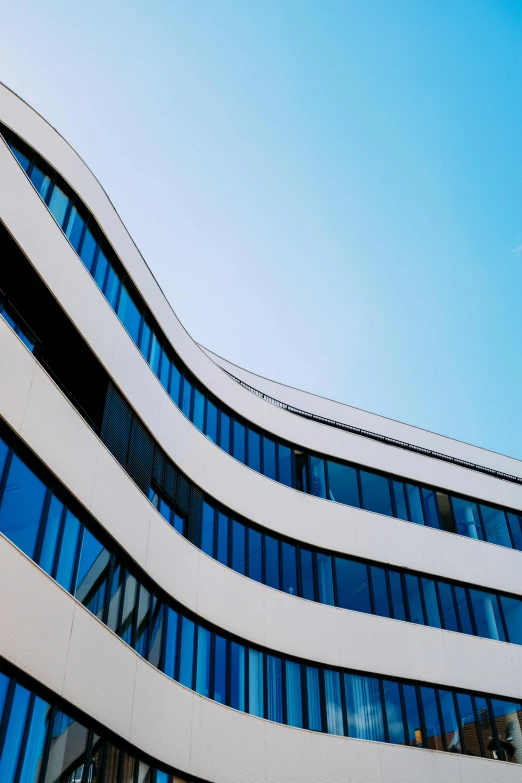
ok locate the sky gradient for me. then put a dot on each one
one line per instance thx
(330, 194)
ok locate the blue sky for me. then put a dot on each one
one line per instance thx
(329, 193)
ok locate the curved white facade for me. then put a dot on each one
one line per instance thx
(53, 639)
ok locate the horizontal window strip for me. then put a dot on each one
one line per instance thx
(40, 517)
(286, 463)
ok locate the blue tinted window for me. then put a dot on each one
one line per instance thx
(353, 591)
(220, 670)
(41, 181)
(255, 560)
(3, 456)
(211, 425)
(380, 591)
(93, 572)
(254, 450)
(35, 741)
(313, 697)
(175, 383)
(115, 597)
(239, 441)
(237, 676)
(463, 610)
(164, 374)
(392, 701)
(433, 738)
(399, 496)
(468, 724)
(269, 458)
(294, 699)
(238, 546)
(186, 401)
(199, 410)
(325, 579)
(412, 715)
(255, 683)
(317, 478)
(396, 595)
(207, 530)
(467, 520)
(515, 528)
(100, 272)
(508, 719)
(142, 622)
(129, 314)
(272, 561)
(450, 722)
(129, 600)
(4, 684)
(224, 432)
(203, 662)
(449, 614)
(186, 661)
(415, 504)
(487, 615)
(156, 631)
(288, 556)
(22, 506)
(222, 542)
(52, 529)
(165, 510)
(274, 674)
(307, 575)
(285, 465)
(171, 642)
(414, 599)
(334, 710)
(88, 250)
(112, 287)
(68, 547)
(22, 159)
(155, 354)
(495, 526)
(14, 734)
(58, 205)
(431, 507)
(68, 746)
(75, 226)
(364, 707)
(376, 493)
(512, 608)
(342, 484)
(430, 602)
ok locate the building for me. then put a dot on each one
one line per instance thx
(209, 576)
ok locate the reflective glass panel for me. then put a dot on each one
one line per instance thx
(224, 432)
(22, 505)
(433, 739)
(142, 622)
(171, 642)
(274, 674)
(41, 181)
(58, 205)
(237, 676)
(313, 698)
(364, 707)
(307, 575)
(68, 548)
(67, 753)
(22, 159)
(175, 383)
(294, 699)
(325, 579)
(207, 530)
(449, 719)
(199, 410)
(353, 590)
(100, 272)
(75, 226)
(449, 615)
(211, 425)
(414, 599)
(495, 526)
(467, 521)
(397, 598)
(342, 484)
(512, 608)
(317, 478)
(334, 709)
(376, 493)
(93, 572)
(88, 249)
(4, 684)
(127, 615)
(222, 542)
(254, 450)
(431, 507)
(269, 458)
(487, 615)
(288, 555)
(255, 560)
(52, 530)
(272, 561)
(155, 354)
(515, 528)
(399, 497)
(285, 465)
(203, 662)
(392, 701)
(156, 631)
(412, 715)
(463, 610)
(508, 722)
(239, 441)
(187, 652)
(129, 314)
(14, 734)
(3, 456)
(35, 741)
(112, 287)
(380, 591)
(186, 401)
(238, 546)
(485, 729)
(220, 670)
(115, 597)
(430, 602)
(255, 683)
(164, 373)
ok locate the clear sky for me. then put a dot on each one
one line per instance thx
(329, 193)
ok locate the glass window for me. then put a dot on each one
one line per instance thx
(22, 159)
(58, 205)
(4, 684)
(307, 574)
(222, 542)
(255, 683)
(224, 432)
(75, 226)
(68, 747)
(433, 738)
(171, 642)
(285, 464)
(239, 441)
(512, 608)
(186, 401)
(294, 699)
(412, 715)
(392, 701)
(467, 521)
(93, 573)
(22, 505)
(446, 516)
(495, 526)
(274, 675)
(414, 599)
(515, 528)
(431, 507)
(313, 698)
(35, 741)
(220, 670)
(52, 530)
(463, 610)
(449, 615)
(254, 450)
(142, 622)
(317, 478)
(288, 557)
(199, 409)
(112, 287)
(301, 471)
(364, 707)
(41, 181)
(269, 458)
(325, 579)
(399, 497)
(186, 663)
(485, 728)
(207, 530)
(353, 590)
(468, 731)
(211, 425)
(342, 484)
(449, 719)
(508, 720)
(238, 546)
(112, 764)
(165, 510)
(430, 603)
(376, 493)
(272, 561)
(334, 709)
(175, 383)
(397, 598)
(88, 249)
(115, 597)
(203, 662)
(155, 354)
(127, 615)
(100, 271)
(255, 555)
(164, 374)
(129, 314)
(3, 457)
(68, 547)
(14, 734)
(156, 631)
(237, 676)
(380, 591)
(487, 615)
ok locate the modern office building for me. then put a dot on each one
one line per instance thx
(208, 576)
